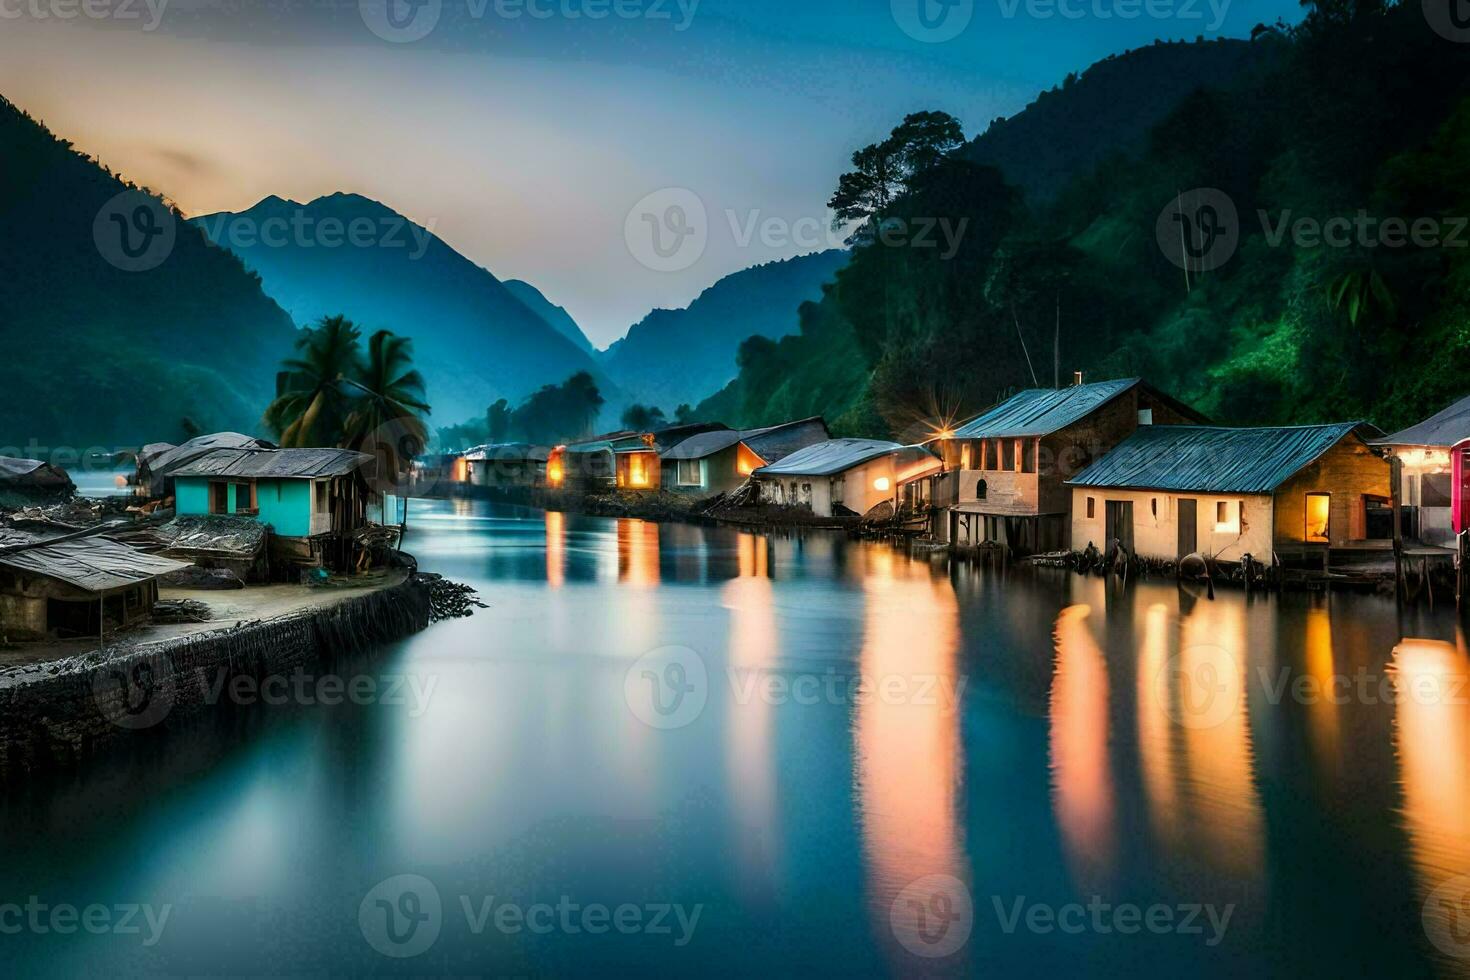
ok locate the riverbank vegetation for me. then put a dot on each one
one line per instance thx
(1360, 121)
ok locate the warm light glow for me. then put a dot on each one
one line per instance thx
(461, 471)
(555, 471)
(556, 541)
(1319, 513)
(637, 470)
(882, 484)
(1081, 771)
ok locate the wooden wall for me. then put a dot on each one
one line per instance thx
(1348, 471)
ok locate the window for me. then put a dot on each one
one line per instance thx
(1222, 512)
(244, 499)
(322, 497)
(1028, 456)
(1319, 518)
(964, 456)
(689, 473)
(219, 498)
(1153, 506)
(1227, 516)
(1145, 416)
(1008, 455)
(989, 446)
(1091, 508)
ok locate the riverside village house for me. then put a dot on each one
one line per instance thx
(720, 461)
(1005, 471)
(843, 476)
(76, 587)
(1293, 493)
(313, 500)
(1425, 485)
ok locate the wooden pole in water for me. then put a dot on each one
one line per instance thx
(1395, 471)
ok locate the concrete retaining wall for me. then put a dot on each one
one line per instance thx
(56, 717)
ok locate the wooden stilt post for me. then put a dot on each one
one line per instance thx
(1395, 475)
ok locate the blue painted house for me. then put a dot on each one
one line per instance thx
(313, 500)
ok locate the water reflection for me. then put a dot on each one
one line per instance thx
(1432, 738)
(755, 646)
(1082, 775)
(556, 549)
(638, 553)
(909, 758)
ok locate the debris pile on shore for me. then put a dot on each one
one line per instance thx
(450, 600)
(181, 611)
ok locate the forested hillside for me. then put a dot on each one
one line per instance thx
(107, 349)
(1362, 129)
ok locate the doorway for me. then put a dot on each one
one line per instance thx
(1119, 523)
(1188, 526)
(1319, 518)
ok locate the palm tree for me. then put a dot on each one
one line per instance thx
(311, 405)
(388, 409)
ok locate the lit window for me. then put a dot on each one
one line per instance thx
(1319, 518)
(882, 484)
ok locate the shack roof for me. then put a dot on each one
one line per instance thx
(93, 563)
(276, 463)
(165, 463)
(704, 444)
(216, 534)
(771, 443)
(835, 456)
(1207, 459)
(1042, 411)
(507, 452)
(1441, 430)
(16, 471)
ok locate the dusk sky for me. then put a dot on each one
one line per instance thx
(524, 142)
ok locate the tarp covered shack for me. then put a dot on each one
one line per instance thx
(28, 480)
(76, 587)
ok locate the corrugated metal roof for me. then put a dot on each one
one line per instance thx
(169, 460)
(15, 471)
(1042, 411)
(1206, 459)
(775, 442)
(704, 444)
(834, 456)
(508, 452)
(1442, 430)
(95, 564)
(276, 463)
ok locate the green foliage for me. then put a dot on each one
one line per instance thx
(1358, 116)
(331, 394)
(551, 415)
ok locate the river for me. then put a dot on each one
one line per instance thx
(677, 750)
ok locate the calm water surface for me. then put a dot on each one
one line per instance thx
(837, 756)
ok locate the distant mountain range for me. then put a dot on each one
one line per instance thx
(1109, 110)
(555, 316)
(673, 357)
(118, 320)
(474, 339)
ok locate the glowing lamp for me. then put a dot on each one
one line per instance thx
(881, 484)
